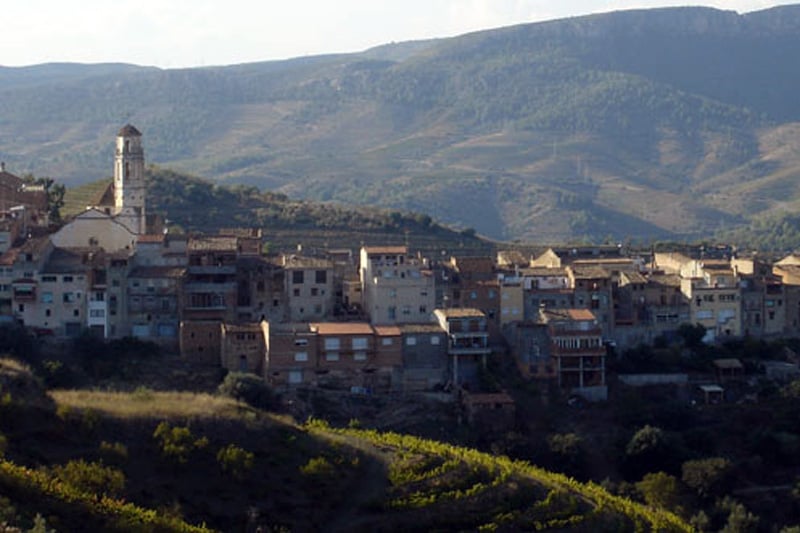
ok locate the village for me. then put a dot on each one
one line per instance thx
(370, 319)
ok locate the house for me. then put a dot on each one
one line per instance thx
(714, 293)
(592, 288)
(242, 348)
(27, 200)
(468, 343)
(577, 351)
(348, 356)
(424, 356)
(495, 411)
(290, 354)
(260, 290)
(308, 287)
(153, 304)
(397, 288)
(545, 287)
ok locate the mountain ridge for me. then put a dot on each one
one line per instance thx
(666, 123)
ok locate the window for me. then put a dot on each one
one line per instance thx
(76, 312)
(435, 340)
(301, 357)
(423, 309)
(473, 295)
(68, 297)
(411, 341)
(314, 291)
(48, 279)
(359, 343)
(391, 313)
(47, 297)
(321, 277)
(386, 341)
(97, 313)
(359, 356)
(295, 376)
(296, 292)
(332, 343)
(301, 342)
(67, 279)
(332, 356)
(297, 276)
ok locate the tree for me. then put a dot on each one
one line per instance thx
(649, 450)
(692, 335)
(660, 489)
(707, 477)
(248, 388)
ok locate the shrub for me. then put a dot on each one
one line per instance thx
(91, 477)
(318, 467)
(113, 452)
(177, 442)
(235, 461)
(660, 490)
(708, 477)
(248, 388)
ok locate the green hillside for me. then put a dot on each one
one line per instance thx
(100, 460)
(667, 123)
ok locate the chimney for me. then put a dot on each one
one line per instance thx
(2, 166)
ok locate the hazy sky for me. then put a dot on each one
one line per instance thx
(182, 33)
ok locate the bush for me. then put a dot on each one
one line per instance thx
(708, 477)
(91, 477)
(248, 388)
(660, 490)
(177, 442)
(113, 452)
(235, 460)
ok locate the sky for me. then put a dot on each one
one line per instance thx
(190, 33)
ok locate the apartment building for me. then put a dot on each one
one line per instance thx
(467, 343)
(308, 287)
(577, 351)
(397, 288)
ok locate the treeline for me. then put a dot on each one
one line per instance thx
(194, 204)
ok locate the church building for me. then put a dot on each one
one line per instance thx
(118, 218)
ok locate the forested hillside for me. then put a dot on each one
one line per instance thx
(668, 123)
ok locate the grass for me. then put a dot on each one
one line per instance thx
(152, 404)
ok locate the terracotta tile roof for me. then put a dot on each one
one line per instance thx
(387, 331)
(342, 328)
(568, 314)
(151, 238)
(386, 250)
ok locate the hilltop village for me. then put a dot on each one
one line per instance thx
(378, 318)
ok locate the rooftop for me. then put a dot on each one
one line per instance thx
(460, 312)
(387, 331)
(385, 250)
(212, 244)
(342, 328)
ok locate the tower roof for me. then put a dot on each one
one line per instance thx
(129, 131)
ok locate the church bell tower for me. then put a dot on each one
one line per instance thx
(129, 187)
